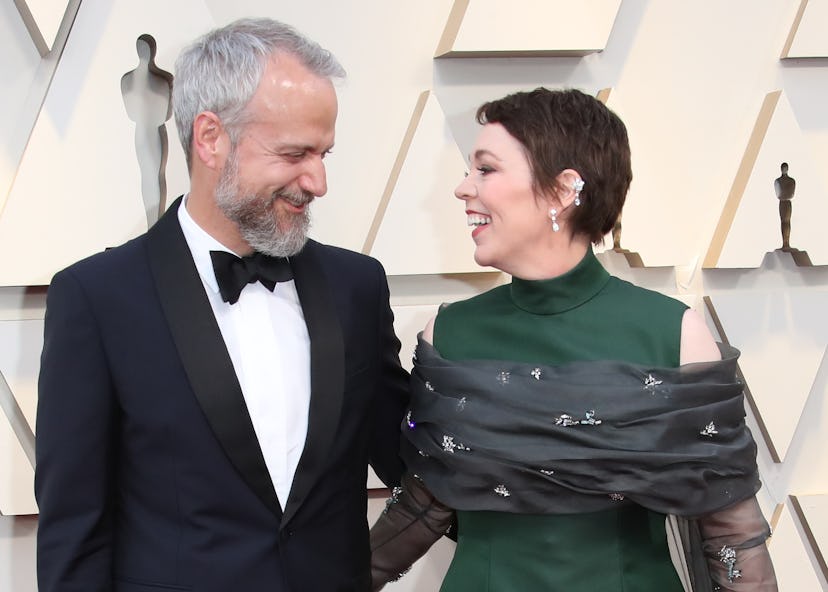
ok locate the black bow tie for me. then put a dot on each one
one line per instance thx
(234, 273)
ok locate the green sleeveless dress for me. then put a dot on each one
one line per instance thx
(585, 314)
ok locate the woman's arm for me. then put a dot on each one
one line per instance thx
(697, 344)
(413, 520)
(733, 539)
(428, 332)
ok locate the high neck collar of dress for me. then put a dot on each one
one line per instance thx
(561, 293)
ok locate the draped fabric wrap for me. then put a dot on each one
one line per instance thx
(580, 437)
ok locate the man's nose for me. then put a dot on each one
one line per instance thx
(314, 178)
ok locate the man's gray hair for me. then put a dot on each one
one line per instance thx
(221, 71)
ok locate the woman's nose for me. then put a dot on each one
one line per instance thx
(466, 189)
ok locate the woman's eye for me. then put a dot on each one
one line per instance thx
(484, 169)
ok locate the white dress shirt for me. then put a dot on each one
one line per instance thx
(269, 346)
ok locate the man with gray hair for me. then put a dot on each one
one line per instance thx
(212, 392)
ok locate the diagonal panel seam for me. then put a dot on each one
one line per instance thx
(17, 420)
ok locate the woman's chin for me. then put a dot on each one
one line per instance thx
(483, 259)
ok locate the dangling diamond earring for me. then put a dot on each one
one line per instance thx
(577, 186)
(553, 215)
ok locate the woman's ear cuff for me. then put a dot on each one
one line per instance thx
(577, 186)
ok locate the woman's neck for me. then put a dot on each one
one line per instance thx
(559, 257)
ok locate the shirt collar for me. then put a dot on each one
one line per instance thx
(200, 243)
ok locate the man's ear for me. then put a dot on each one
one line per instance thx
(210, 141)
(569, 185)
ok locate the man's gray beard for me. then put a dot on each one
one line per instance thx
(278, 235)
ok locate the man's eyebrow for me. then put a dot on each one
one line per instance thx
(302, 148)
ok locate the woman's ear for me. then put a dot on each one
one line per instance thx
(569, 187)
(210, 141)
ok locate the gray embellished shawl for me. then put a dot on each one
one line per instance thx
(581, 436)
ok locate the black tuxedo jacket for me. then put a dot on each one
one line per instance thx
(149, 475)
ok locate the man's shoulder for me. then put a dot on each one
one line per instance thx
(110, 260)
(134, 251)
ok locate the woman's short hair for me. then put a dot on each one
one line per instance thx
(567, 129)
(221, 71)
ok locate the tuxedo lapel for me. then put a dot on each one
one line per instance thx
(204, 354)
(327, 373)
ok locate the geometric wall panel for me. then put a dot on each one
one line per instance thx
(768, 327)
(408, 322)
(18, 544)
(809, 34)
(750, 223)
(493, 28)
(77, 189)
(16, 475)
(43, 18)
(16, 468)
(26, 77)
(420, 227)
(20, 345)
(794, 570)
(812, 511)
(660, 279)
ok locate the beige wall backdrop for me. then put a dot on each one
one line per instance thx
(716, 95)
